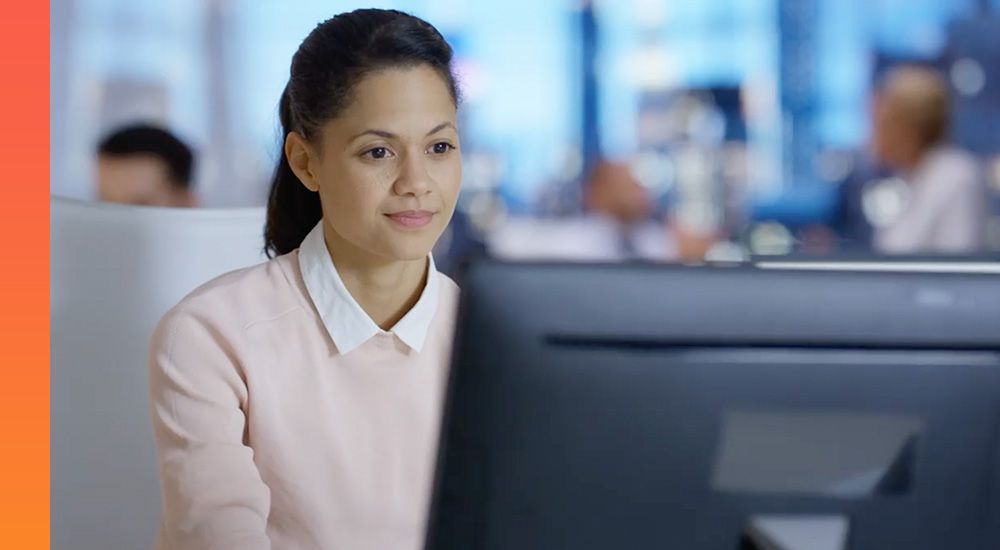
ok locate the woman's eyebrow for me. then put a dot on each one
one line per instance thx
(389, 135)
(379, 133)
(442, 126)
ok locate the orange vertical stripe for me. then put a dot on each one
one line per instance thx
(24, 322)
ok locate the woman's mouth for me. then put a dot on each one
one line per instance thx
(411, 219)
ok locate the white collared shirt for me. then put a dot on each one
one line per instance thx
(285, 418)
(345, 321)
(945, 211)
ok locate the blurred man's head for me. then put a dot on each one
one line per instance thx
(144, 165)
(612, 190)
(911, 115)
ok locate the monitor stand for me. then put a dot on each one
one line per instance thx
(795, 532)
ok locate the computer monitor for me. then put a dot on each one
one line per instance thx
(980, 261)
(640, 406)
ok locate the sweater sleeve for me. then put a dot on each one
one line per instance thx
(213, 497)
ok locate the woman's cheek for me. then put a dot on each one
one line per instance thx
(449, 178)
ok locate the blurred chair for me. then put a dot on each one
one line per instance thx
(115, 270)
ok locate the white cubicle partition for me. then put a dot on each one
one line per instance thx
(115, 270)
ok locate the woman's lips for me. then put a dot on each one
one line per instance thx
(411, 219)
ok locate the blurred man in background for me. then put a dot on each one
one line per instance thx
(145, 165)
(613, 192)
(944, 209)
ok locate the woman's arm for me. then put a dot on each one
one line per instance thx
(213, 496)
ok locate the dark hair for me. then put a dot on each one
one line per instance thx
(146, 139)
(328, 65)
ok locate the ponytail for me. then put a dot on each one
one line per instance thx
(292, 209)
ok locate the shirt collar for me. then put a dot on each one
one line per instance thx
(347, 324)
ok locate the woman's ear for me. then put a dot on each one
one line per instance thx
(301, 159)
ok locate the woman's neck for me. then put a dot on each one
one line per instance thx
(385, 289)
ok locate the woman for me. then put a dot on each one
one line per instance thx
(296, 403)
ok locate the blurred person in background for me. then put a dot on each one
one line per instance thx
(944, 205)
(614, 192)
(145, 165)
(296, 403)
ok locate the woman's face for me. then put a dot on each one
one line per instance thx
(388, 168)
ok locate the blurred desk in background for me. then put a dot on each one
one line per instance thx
(584, 238)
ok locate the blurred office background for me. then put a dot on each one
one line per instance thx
(740, 126)
(604, 130)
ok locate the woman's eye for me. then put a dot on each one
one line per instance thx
(441, 148)
(378, 153)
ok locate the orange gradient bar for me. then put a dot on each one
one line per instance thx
(24, 279)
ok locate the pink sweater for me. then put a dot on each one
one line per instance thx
(270, 435)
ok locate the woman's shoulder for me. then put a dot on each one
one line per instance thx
(241, 296)
(447, 284)
(448, 293)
